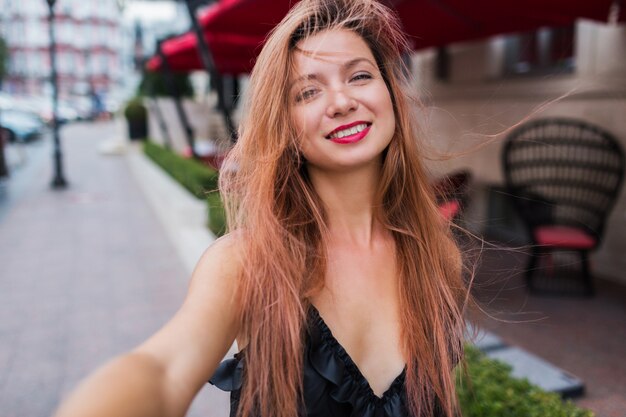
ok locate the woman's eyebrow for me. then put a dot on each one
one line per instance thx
(306, 77)
(354, 62)
(345, 66)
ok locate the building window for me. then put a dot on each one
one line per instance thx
(545, 50)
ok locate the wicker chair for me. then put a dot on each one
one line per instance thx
(564, 176)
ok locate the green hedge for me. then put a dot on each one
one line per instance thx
(217, 216)
(154, 83)
(196, 177)
(491, 391)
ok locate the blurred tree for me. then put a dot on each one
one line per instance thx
(4, 60)
(4, 66)
(154, 83)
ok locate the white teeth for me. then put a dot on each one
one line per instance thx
(347, 132)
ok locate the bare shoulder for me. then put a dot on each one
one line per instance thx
(220, 262)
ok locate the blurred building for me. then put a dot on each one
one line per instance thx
(88, 40)
(143, 22)
(476, 91)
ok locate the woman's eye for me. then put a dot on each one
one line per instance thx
(306, 94)
(361, 76)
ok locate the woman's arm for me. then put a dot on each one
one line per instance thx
(161, 376)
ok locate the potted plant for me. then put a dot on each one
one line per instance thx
(136, 116)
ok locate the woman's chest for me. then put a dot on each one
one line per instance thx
(357, 276)
(360, 305)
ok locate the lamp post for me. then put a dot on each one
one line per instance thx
(58, 181)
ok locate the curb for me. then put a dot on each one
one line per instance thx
(182, 215)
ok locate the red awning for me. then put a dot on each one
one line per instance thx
(246, 17)
(233, 54)
(235, 29)
(440, 22)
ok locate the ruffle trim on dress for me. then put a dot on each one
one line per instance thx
(345, 384)
(229, 374)
(331, 361)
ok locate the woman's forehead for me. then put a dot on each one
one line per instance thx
(338, 47)
(332, 42)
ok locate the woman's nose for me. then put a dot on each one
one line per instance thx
(340, 103)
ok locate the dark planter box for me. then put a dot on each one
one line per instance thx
(137, 129)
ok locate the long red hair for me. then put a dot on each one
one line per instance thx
(280, 222)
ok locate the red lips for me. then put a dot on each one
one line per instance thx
(348, 126)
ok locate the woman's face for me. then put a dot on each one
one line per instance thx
(339, 101)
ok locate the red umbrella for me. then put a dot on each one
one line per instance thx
(439, 22)
(180, 51)
(233, 53)
(235, 29)
(246, 17)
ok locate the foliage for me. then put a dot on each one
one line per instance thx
(135, 109)
(217, 215)
(487, 389)
(154, 83)
(4, 59)
(196, 177)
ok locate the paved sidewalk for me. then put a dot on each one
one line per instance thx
(85, 274)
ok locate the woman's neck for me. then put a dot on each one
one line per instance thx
(350, 199)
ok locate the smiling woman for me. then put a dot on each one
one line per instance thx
(341, 105)
(336, 220)
(339, 279)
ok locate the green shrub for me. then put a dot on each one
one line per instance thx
(154, 84)
(135, 109)
(198, 178)
(489, 390)
(4, 59)
(217, 216)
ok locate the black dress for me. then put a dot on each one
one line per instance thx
(333, 385)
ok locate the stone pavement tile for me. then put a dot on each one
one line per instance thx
(6, 351)
(609, 405)
(36, 366)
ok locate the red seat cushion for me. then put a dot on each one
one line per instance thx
(449, 209)
(564, 237)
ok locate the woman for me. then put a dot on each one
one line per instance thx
(339, 280)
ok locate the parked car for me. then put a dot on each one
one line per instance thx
(41, 106)
(20, 126)
(6, 101)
